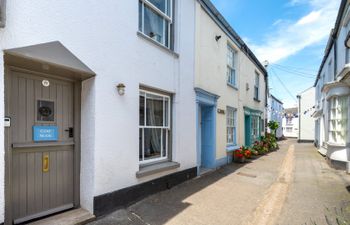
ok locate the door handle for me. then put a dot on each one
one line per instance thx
(46, 163)
(70, 132)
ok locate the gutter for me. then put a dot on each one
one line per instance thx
(208, 6)
(333, 37)
(2, 13)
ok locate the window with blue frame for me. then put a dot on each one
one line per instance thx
(231, 124)
(231, 67)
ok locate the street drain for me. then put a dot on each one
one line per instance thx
(246, 175)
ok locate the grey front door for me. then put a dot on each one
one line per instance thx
(41, 109)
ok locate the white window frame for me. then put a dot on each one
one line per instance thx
(231, 123)
(334, 120)
(167, 128)
(257, 86)
(168, 18)
(255, 129)
(231, 73)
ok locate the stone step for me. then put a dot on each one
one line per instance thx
(73, 217)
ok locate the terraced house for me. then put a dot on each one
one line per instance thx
(99, 104)
(107, 102)
(332, 93)
(230, 86)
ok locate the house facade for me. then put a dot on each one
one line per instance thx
(275, 112)
(99, 107)
(332, 101)
(230, 85)
(306, 101)
(290, 123)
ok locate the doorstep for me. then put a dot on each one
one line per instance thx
(73, 217)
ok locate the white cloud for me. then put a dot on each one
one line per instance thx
(310, 18)
(290, 38)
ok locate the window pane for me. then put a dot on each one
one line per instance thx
(166, 112)
(155, 26)
(45, 111)
(142, 111)
(152, 142)
(140, 144)
(140, 15)
(165, 138)
(154, 110)
(162, 5)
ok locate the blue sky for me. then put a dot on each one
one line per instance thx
(290, 34)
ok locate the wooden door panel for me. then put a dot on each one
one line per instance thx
(36, 191)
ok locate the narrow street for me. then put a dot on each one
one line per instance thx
(293, 185)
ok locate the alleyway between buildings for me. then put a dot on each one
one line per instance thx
(293, 185)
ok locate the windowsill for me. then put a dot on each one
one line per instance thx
(156, 168)
(257, 100)
(145, 37)
(336, 144)
(232, 86)
(231, 148)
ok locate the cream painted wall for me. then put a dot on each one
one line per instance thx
(211, 66)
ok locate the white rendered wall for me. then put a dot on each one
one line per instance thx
(103, 35)
(307, 122)
(294, 125)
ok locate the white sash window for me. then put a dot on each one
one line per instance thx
(338, 119)
(256, 86)
(231, 121)
(154, 126)
(231, 67)
(156, 19)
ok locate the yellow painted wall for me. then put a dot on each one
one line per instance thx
(211, 66)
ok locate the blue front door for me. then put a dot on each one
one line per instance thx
(207, 137)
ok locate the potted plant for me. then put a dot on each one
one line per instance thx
(271, 141)
(273, 125)
(241, 154)
(238, 156)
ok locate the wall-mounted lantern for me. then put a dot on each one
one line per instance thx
(217, 37)
(121, 89)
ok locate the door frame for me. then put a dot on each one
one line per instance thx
(205, 98)
(7, 136)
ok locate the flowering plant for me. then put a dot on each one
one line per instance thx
(261, 147)
(270, 141)
(242, 152)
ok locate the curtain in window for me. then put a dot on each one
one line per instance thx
(154, 118)
(154, 25)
